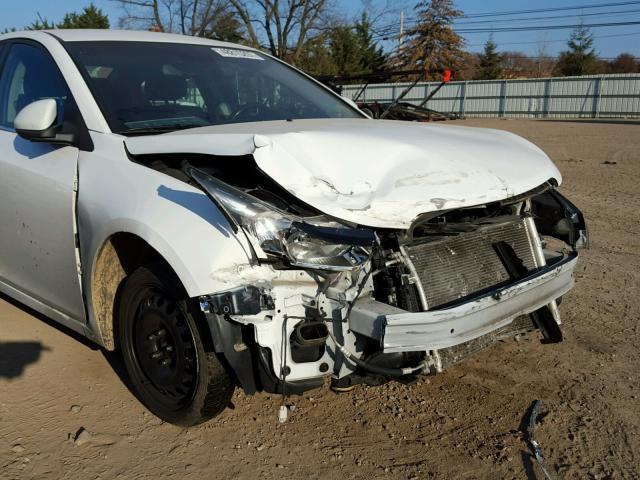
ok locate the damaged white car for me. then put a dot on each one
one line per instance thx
(224, 220)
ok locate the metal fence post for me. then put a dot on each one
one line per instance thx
(503, 97)
(546, 107)
(464, 98)
(596, 109)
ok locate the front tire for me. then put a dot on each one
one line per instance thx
(171, 372)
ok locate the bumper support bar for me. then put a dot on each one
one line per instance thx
(402, 331)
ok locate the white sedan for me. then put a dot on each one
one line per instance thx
(224, 220)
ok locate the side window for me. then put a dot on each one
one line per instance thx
(29, 74)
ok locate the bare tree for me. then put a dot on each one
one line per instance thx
(545, 64)
(202, 18)
(518, 65)
(624, 63)
(287, 24)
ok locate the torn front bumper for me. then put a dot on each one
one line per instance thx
(402, 331)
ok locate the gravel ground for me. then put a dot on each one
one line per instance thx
(463, 423)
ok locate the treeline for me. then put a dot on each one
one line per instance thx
(307, 33)
(579, 58)
(317, 37)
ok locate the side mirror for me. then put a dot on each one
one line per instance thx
(37, 122)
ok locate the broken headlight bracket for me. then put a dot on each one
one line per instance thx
(247, 300)
(326, 245)
(556, 216)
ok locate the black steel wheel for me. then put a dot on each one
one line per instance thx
(161, 344)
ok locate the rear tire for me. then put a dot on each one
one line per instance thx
(171, 372)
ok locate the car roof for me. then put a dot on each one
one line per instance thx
(108, 35)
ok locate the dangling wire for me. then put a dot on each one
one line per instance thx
(283, 412)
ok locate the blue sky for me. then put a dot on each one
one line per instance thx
(555, 40)
(609, 41)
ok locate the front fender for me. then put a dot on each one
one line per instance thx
(116, 195)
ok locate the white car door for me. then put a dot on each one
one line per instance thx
(37, 198)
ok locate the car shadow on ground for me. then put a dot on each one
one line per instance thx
(16, 356)
(52, 323)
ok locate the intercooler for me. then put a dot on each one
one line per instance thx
(456, 265)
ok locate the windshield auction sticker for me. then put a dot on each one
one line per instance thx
(237, 53)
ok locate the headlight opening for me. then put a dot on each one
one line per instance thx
(324, 244)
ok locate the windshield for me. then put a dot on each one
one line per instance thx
(150, 87)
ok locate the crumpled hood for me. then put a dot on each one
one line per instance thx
(373, 172)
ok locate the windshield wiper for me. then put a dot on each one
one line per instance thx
(159, 129)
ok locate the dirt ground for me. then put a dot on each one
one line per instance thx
(463, 423)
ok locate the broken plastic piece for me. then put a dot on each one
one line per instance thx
(283, 414)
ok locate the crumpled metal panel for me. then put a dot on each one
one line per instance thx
(373, 173)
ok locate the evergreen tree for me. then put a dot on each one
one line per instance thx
(432, 43)
(345, 50)
(90, 17)
(581, 58)
(41, 24)
(316, 58)
(372, 57)
(490, 62)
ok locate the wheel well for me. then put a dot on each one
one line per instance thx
(120, 255)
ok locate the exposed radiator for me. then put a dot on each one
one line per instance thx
(458, 265)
